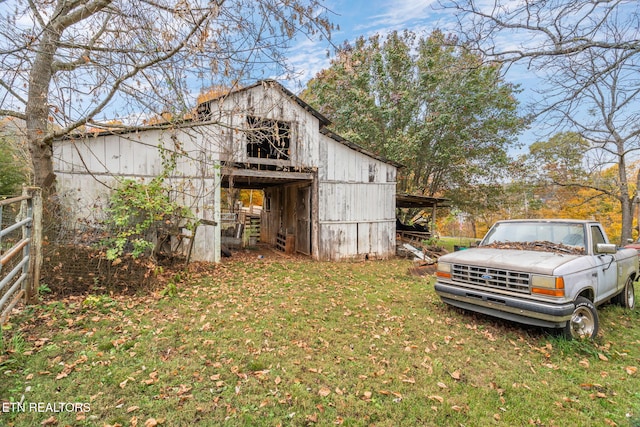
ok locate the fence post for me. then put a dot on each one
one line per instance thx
(35, 247)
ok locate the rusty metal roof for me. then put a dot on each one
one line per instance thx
(404, 200)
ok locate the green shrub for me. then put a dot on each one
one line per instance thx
(137, 210)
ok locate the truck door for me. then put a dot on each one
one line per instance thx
(606, 267)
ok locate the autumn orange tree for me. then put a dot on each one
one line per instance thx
(587, 203)
(65, 64)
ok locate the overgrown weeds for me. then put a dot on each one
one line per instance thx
(282, 342)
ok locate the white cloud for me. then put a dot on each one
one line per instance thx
(399, 14)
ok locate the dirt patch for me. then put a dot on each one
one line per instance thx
(79, 270)
(260, 252)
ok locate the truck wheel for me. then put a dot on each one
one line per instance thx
(627, 297)
(584, 321)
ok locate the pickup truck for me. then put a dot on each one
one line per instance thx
(551, 273)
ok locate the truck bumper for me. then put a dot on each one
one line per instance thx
(515, 309)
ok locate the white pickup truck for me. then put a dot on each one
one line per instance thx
(549, 273)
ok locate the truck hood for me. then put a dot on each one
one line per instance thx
(510, 259)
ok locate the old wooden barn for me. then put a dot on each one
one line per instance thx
(323, 196)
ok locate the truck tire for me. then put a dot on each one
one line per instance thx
(627, 298)
(584, 323)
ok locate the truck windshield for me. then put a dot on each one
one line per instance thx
(562, 233)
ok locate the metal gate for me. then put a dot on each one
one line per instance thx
(20, 249)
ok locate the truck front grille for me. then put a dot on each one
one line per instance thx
(493, 278)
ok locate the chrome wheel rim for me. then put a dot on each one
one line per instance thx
(631, 298)
(582, 323)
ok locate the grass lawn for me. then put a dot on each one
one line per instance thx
(450, 242)
(293, 342)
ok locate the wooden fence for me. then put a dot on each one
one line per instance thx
(20, 249)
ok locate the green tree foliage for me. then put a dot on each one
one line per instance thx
(570, 185)
(424, 102)
(12, 172)
(560, 159)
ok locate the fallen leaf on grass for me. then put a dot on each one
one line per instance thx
(153, 378)
(324, 392)
(49, 421)
(183, 389)
(455, 375)
(123, 384)
(603, 357)
(130, 409)
(65, 372)
(631, 370)
(439, 399)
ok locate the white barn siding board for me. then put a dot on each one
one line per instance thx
(275, 105)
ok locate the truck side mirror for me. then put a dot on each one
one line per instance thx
(606, 248)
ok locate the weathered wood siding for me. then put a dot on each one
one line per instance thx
(356, 204)
(88, 169)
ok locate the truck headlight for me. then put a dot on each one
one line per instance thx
(547, 285)
(444, 270)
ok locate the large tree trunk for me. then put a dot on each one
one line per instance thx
(626, 202)
(37, 112)
(627, 219)
(636, 202)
